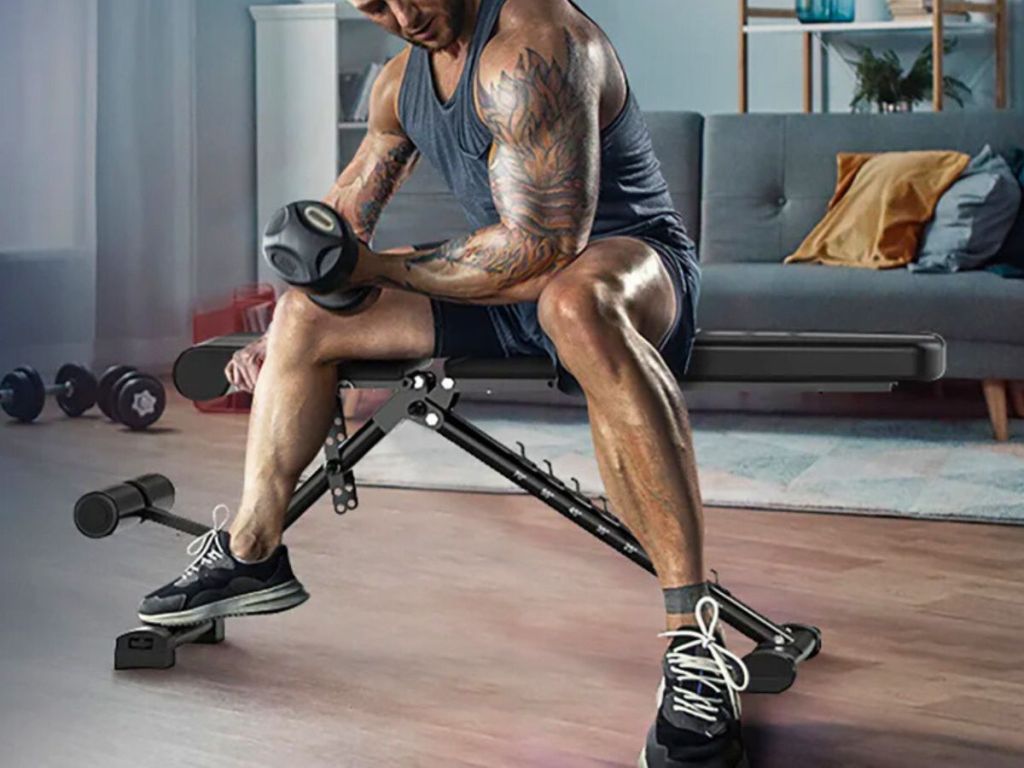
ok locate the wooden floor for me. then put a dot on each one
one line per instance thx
(450, 629)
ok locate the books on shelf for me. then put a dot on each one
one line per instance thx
(350, 86)
(909, 10)
(355, 89)
(903, 9)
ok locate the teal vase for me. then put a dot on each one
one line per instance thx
(843, 10)
(819, 11)
(813, 11)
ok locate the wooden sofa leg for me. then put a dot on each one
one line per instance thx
(995, 399)
(1017, 395)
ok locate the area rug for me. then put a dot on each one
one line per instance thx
(937, 469)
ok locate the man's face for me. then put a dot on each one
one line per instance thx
(430, 24)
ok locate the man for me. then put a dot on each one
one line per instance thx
(576, 252)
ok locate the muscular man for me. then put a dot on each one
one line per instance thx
(575, 252)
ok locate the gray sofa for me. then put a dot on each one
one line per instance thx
(750, 188)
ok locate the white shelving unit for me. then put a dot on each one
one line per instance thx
(867, 26)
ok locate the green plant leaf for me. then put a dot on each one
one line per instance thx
(880, 78)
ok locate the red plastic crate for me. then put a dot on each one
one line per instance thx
(248, 310)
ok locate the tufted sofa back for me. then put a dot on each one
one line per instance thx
(767, 179)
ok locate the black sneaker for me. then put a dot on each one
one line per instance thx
(698, 721)
(216, 584)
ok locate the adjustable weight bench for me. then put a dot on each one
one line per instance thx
(427, 392)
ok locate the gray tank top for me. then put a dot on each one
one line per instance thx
(634, 199)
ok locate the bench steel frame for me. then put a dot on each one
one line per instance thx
(427, 392)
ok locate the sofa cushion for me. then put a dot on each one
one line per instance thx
(967, 306)
(1009, 262)
(881, 204)
(972, 219)
(768, 178)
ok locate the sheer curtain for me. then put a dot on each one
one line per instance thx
(144, 180)
(47, 181)
(96, 181)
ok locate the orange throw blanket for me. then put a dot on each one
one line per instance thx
(881, 204)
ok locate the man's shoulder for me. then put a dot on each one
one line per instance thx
(546, 27)
(394, 69)
(536, 14)
(384, 97)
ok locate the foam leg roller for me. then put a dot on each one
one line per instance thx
(314, 249)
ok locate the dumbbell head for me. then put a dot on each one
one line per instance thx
(106, 391)
(313, 248)
(138, 400)
(79, 389)
(310, 246)
(23, 394)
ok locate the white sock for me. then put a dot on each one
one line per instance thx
(250, 562)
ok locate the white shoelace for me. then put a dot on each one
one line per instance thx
(207, 547)
(715, 672)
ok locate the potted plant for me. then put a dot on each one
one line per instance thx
(881, 81)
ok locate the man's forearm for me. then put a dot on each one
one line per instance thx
(365, 187)
(495, 265)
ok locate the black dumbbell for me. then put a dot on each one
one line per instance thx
(111, 375)
(23, 394)
(129, 397)
(313, 248)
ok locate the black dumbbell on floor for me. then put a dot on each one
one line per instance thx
(23, 394)
(130, 397)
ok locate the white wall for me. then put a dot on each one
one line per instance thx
(1017, 54)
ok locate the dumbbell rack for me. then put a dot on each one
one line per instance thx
(427, 397)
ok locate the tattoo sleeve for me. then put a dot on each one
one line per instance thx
(384, 161)
(542, 110)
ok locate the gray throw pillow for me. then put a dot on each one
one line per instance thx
(972, 218)
(1009, 262)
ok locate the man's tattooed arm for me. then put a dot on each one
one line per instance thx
(542, 106)
(385, 159)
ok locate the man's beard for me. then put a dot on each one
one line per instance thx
(457, 17)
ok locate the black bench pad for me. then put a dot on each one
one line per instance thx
(718, 356)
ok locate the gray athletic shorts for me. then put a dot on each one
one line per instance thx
(513, 330)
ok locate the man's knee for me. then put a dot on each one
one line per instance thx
(295, 317)
(582, 313)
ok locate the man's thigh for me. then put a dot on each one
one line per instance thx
(394, 326)
(656, 285)
(659, 294)
(632, 274)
